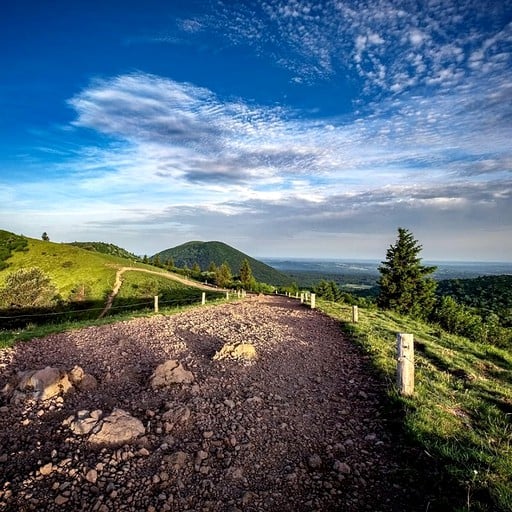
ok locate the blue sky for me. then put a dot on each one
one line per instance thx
(283, 128)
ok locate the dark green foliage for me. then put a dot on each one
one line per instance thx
(404, 283)
(246, 277)
(223, 275)
(458, 319)
(465, 321)
(328, 290)
(105, 248)
(206, 253)
(9, 243)
(486, 294)
(28, 287)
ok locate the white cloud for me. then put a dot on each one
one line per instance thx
(416, 37)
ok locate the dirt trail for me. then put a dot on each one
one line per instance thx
(305, 427)
(173, 277)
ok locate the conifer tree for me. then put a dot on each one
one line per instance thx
(246, 277)
(404, 283)
(223, 275)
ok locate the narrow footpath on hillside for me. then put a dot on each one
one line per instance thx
(303, 427)
(172, 277)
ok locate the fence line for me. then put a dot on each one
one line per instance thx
(126, 306)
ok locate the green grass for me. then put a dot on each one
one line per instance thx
(69, 267)
(75, 271)
(461, 412)
(84, 280)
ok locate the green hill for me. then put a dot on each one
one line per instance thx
(205, 253)
(75, 272)
(105, 248)
(79, 274)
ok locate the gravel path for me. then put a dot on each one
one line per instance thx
(302, 428)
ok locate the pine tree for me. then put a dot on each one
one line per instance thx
(246, 277)
(404, 283)
(223, 275)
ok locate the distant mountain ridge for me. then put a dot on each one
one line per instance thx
(205, 253)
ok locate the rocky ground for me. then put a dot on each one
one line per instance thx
(303, 427)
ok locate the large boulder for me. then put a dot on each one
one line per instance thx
(117, 429)
(169, 373)
(47, 383)
(38, 384)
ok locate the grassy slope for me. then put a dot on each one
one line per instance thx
(106, 248)
(71, 267)
(141, 286)
(462, 408)
(68, 267)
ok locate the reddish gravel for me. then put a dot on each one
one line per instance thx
(302, 428)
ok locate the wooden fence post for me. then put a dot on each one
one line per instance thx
(203, 298)
(301, 298)
(355, 314)
(405, 369)
(313, 300)
(227, 295)
(156, 303)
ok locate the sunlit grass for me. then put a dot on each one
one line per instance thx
(461, 412)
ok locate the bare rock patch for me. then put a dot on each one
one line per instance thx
(169, 373)
(237, 351)
(47, 383)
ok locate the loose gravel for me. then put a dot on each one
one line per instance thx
(304, 427)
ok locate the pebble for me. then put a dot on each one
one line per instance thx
(60, 499)
(91, 476)
(47, 469)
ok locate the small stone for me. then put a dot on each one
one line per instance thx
(208, 434)
(91, 476)
(201, 455)
(314, 461)
(46, 469)
(229, 403)
(60, 500)
(342, 467)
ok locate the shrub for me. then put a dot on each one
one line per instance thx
(28, 287)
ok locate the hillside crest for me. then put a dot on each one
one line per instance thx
(204, 253)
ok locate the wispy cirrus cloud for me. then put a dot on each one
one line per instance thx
(390, 46)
